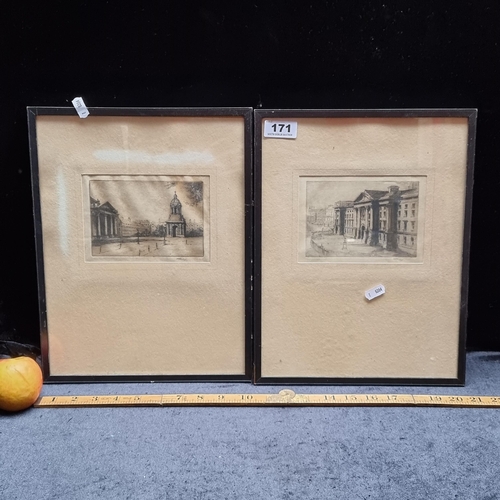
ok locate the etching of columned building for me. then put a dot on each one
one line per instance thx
(105, 220)
(341, 208)
(366, 216)
(408, 220)
(176, 225)
(399, 219)
(349, 221)
(388, 218)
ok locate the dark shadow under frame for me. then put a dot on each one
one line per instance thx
(247, 115)
(259, 117)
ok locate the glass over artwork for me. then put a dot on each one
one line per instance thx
(148, 217)
(361, 219)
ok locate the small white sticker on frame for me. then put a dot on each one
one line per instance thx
(80, 107)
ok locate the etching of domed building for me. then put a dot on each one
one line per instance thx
(176, 224)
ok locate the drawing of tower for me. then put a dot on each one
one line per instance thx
(176, 225)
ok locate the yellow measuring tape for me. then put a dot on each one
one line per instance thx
(286, 397)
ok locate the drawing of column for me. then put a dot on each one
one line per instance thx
(374, 224)
(392, 210)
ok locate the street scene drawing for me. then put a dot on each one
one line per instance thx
(361, 218)
(148, 216)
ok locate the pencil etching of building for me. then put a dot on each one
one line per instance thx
(316, 215)
(105, 220)
(341, 216)
(383, 218)
(330, 216)
(388, 218)
(407, 219)
(132, 228)
(349, 221)
(366, 216)
(176, 224)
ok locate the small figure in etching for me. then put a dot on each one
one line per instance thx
(344, 243)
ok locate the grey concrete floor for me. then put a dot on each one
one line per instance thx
(255, 453)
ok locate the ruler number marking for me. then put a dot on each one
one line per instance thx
(253, 399)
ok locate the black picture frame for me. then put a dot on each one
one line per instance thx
(244, 112)
(260, 116)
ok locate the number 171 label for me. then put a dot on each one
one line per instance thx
(280, 129)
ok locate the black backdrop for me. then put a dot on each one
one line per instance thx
(263, 53)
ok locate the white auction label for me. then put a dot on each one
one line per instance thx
(280, 129)
(80, 107)
(375, 292)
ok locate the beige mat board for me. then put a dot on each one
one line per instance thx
(143, 231)
(351, 203)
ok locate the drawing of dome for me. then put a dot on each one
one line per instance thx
(175, 202)
(176, 225)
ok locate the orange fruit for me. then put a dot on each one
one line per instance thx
(21, 381)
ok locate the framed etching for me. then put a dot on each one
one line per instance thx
(142, 228)
(362, 219)
(359, 202)
(159, 218)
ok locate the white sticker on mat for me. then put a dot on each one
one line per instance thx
(375, 292)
